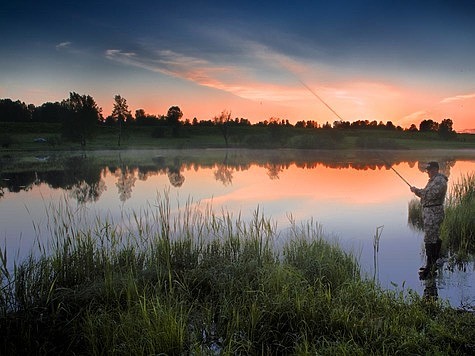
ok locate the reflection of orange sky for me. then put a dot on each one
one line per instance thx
(323, 184)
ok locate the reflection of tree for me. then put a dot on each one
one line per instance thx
(82, 177)
(430, 289)
(82, 174)
(125, 182)
(85, 193)
(224, 174)
(16, 182)
(175, 177)
(173, 171)
(273, 170)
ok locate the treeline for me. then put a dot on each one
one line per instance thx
(80, 116)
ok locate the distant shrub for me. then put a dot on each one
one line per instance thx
(376, 143)
(158, 132)
(258, 141)
(312, 141)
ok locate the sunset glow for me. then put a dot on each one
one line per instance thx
(402, 63)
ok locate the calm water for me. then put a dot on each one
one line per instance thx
(350, 194)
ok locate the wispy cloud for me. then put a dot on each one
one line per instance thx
(458, 98)
(63, 45)
(231, 78)
(416, 117)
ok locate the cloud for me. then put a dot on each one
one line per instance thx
(236, 79)
(415, 117)
(63, 45)
(458, 98)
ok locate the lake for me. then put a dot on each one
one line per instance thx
(353, 195)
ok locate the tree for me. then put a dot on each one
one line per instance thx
(82, 116)
(120, 113)
(173, 119)
(428, 125)
(14, 111)
(390, 126)
(140, 114)
(222, 122)
(49, 112)
(446, 130)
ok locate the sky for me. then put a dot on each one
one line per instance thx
(398, 61)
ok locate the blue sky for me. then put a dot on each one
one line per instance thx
(383, 60)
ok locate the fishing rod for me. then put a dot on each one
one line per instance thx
(333, 111)
(394, 170)
(400, 176)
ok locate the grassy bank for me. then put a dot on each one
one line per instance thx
(22, 136)
(184, 280)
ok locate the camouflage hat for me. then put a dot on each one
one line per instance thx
(431, 165)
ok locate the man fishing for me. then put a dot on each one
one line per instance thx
(432, 201)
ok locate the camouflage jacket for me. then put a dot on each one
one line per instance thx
(434, 192)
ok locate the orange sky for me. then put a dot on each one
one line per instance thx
(351, 100)
(389, 61)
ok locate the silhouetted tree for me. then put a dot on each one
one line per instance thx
(222, 122)
(140, 114)
(82, 117)
(14, 111)
(446, 130)
(173, 119)
(428, 125)
(120, 114)
(390, 126)
(49, 112)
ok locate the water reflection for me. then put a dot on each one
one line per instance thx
(350, 193)
(81, 174)
(430, 288)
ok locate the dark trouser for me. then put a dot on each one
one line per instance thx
(432, 254)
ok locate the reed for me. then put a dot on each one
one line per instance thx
(184, 279)
(458, 228)
(414, 214)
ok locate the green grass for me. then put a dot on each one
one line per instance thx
(21, 137)
(185, 280)
(458, 228)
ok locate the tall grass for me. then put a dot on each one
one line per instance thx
(414, 216)
(185, 280)
(458, 228)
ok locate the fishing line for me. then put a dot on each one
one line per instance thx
(319, 98)
(333, 111)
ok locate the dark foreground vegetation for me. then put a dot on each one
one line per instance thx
(193, 282)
